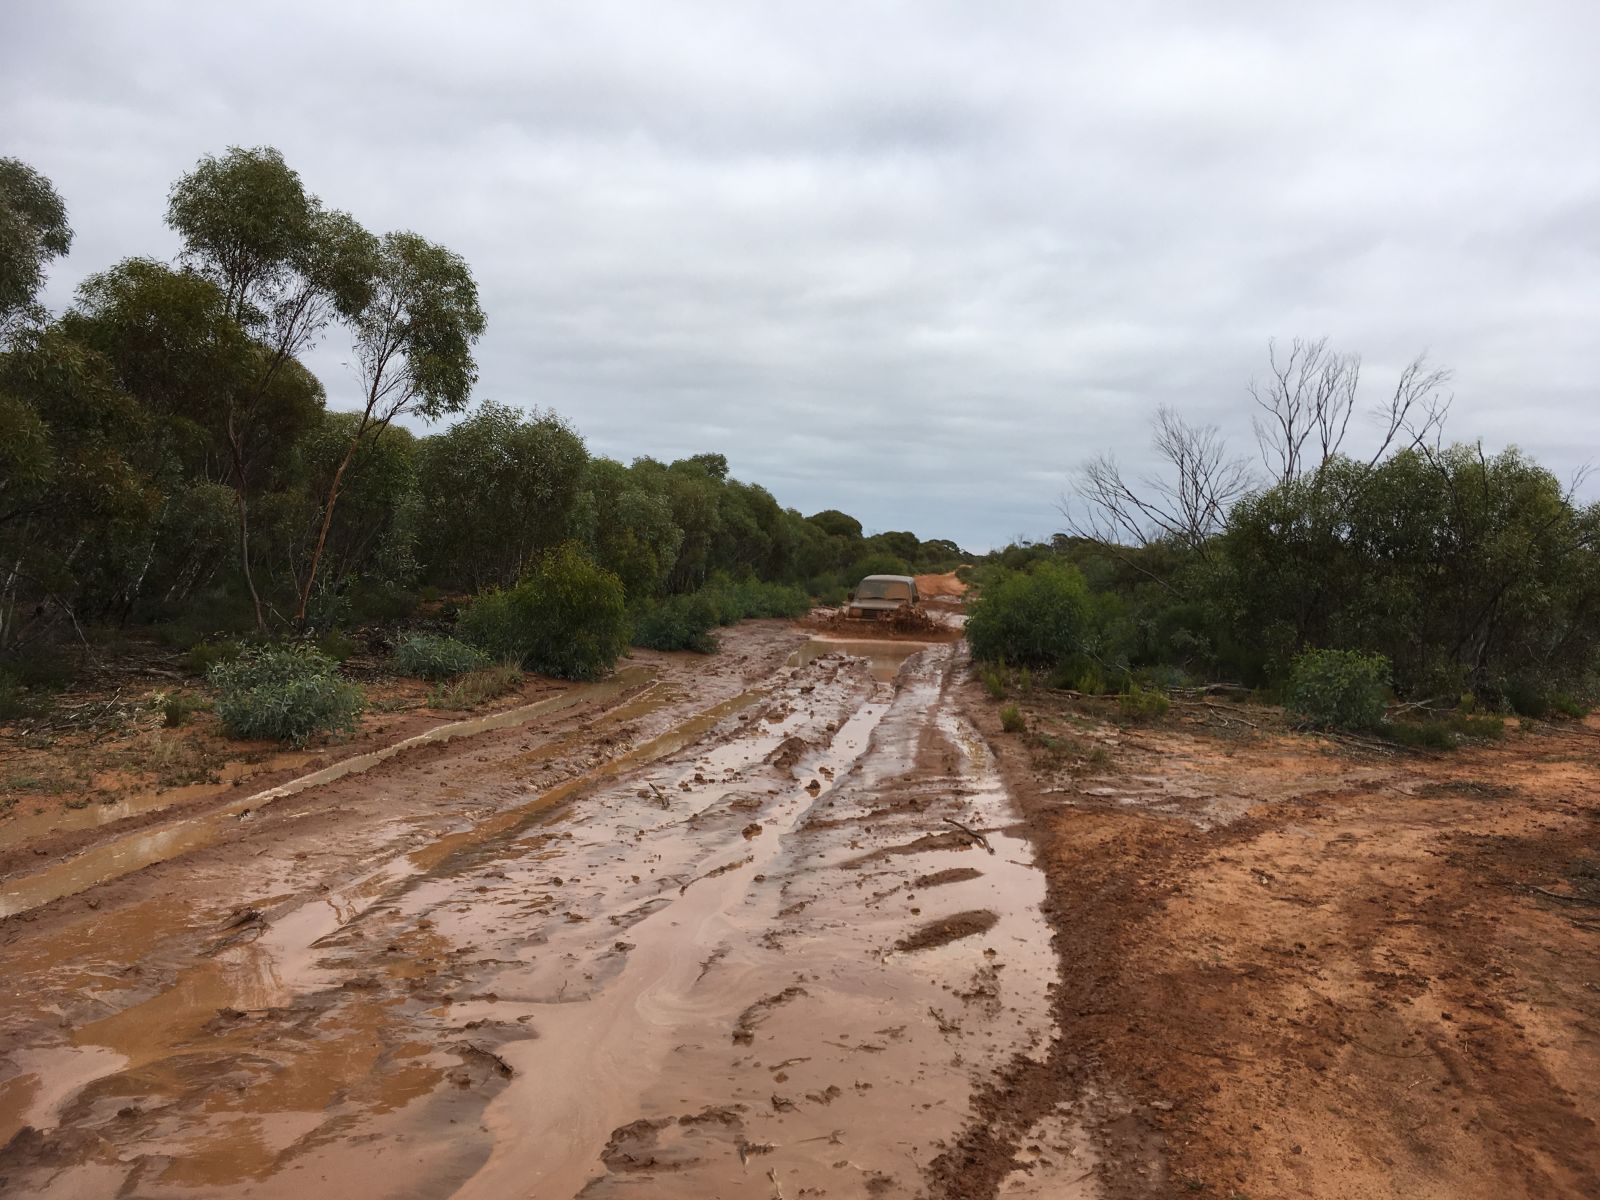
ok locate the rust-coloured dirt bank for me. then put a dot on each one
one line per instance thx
(1299, 970)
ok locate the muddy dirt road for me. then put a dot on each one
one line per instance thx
(755, 929)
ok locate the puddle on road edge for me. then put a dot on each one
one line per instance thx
(135, 851)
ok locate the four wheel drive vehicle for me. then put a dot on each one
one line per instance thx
(877, 595)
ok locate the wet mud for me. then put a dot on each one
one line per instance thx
(764, 934)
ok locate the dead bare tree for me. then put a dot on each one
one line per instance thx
(1310, 394)
(1187, 502)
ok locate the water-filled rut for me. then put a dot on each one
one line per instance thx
(772, 950)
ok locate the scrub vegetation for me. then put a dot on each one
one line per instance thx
(170, 468)
(1405, 590)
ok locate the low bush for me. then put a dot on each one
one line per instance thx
(994, 679)
(566, 617)
(427, 656)
(678, 623)
(1012, 720)
(178, 707)
(15, 699)
(1142, 704)
(202, 656)
(285, 694)
(338, 645)
(477, 686)
(1337, 689)
(1038, 618)
(1444, 733)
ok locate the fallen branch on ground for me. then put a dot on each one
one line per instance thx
(971, 833)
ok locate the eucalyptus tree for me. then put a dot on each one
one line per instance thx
(33, 231)
(413, 340)
(286, 267)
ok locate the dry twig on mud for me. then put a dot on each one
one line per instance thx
(661, 797)
(977, 837)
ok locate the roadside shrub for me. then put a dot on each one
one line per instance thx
(566, 617)
(202, 656)
(427, 656)
(1337, 689)
(338, 645)
(678, 623)
(739, 599)
(994, 680)
(477, 686)
(1011, 719)
(15, 702)
(1142, 704)
(178, 707)
(1444, 733)
(1039, 618)
(285, 694)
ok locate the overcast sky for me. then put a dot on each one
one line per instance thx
(916, 261)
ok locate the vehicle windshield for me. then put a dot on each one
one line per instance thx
(883, 589)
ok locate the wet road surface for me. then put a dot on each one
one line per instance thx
(768, 948)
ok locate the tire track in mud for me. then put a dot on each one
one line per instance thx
(676, 975)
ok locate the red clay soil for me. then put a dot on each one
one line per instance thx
(1306, 970)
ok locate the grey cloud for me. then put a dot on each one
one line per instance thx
(915, 261)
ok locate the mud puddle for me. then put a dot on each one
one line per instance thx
(675, 974)
(140, 849)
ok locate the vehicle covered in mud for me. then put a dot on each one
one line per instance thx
(879, 595)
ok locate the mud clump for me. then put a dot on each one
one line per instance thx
(744, 1029)
(789, 753)
(949, 875)
(948, 929)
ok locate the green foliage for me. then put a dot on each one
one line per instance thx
(1444, 733)
(285, 694)
(1011, 719)
(33, 231)
(477, 686)
(497, 489)
(178, 707)
(426, 656)
(993, 676)
(16, 701)
(202, 656)
(685, 622)
(338, 645)
(1039, 618)
(1142, 704)
(679, 623)
(1337, 689)
(566, 617)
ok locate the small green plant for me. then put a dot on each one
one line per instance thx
(1025, 681)
(1012, 720)
(1142, 704)
(202, 656)
(426, 656)
(1091, 681)
(994, 680)
(338, 645)
(1337, 689)
(478, 686)
(285, 694)
(178, 707)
